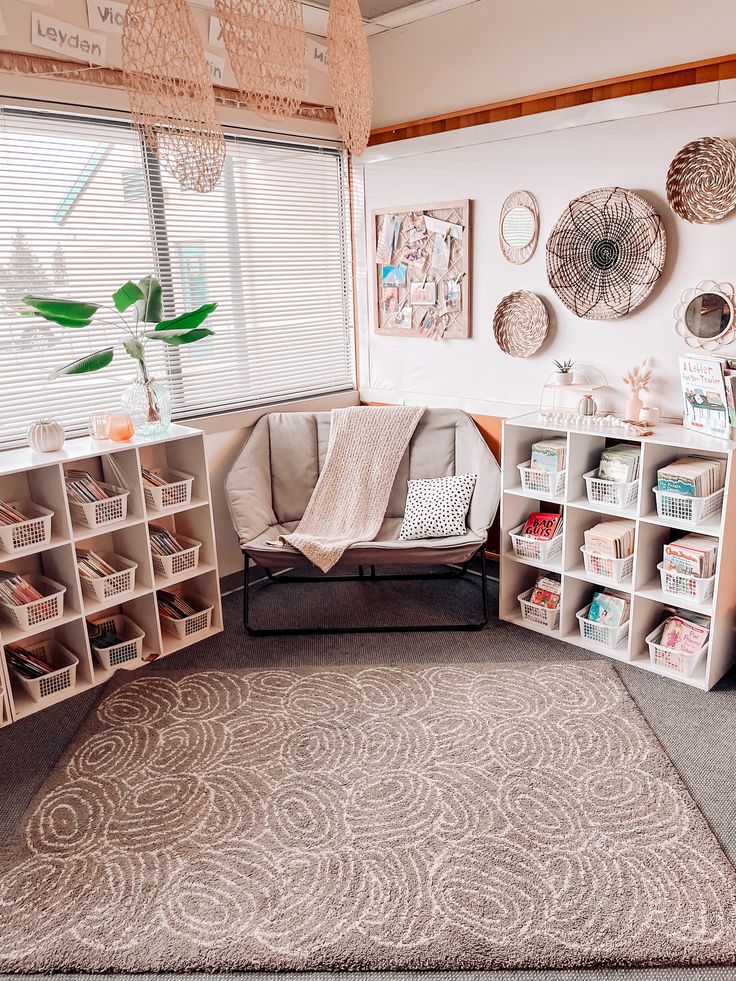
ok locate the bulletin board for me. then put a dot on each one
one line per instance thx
(422, 285)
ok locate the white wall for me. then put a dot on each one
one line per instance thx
(555, 164)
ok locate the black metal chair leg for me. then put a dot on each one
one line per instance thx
(246, 590)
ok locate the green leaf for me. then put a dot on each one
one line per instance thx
(93, 362)
(70, 311)
(190, 320)
(134, 349)
(126, 296)
(63, 321)
(176, 337)
(149, 306)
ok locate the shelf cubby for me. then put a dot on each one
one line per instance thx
(204, 588)
(187, 456)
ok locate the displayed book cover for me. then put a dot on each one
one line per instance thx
(542, 525)
(546, 592)
(684, 635)
(549, 454)
(692, 555)
(692, 476)
(705, 404)
(620, 463)
(609, 609)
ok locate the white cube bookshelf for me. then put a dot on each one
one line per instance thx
(649, 605)
(29, 476)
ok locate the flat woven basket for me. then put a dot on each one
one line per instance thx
(701, 181)
(520, 324)
(606, 253)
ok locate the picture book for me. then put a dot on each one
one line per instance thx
(692, 555)
(705, 404)
(549, 454)
(610, 609)
(620, 463)
(614, 538)
(542, 526)
(546, 592)
(684, 635)
(692, 476)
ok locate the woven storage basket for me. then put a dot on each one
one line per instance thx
(131, 637)
(687, 587)
(97, 513)
(541, 615)
(63, 677)
(26, 534)
(688, 510)
(601, 633)
(701, 181)
(45, 610)
(189, 626)
(175, 493)
(551, 483)
(520, 324)
(667, 659)
(116, 586)
(606, 567)
(179, 562)
(534, 548)
(609, 493)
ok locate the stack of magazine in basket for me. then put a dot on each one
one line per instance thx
(83, 488)
(613, 538)
(547, 591)
(10, 515)
(163, 542)
(620, 463)
(692, 555)
(17, 591)
(93, 566)
(152, 479)
(174, 607)
(29, 665)
(692, 476)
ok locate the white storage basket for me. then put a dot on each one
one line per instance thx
(180, 562)
(189, 626)
(45, 610)
(61, 679)
(25, 534)
(610, 493)
(601, 633)
(177, 490)
(97, 513)
(690, 587)
(547, 483)
(606, 567)
(667, 659)
(541, 615)
(114, 587)
(130, 647)
(691, 510)
(533, 548)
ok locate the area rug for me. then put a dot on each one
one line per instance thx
(380, 818)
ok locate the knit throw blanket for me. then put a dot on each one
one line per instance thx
(349, 501)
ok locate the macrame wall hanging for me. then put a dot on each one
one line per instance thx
(266, 45)
(170, 90)
(351, 82)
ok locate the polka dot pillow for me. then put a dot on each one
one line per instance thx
(437, 508)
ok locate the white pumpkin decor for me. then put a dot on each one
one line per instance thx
(46, 436)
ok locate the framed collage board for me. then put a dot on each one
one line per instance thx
(421, 255)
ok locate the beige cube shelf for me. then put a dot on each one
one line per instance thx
(649, 604)
(29, 476)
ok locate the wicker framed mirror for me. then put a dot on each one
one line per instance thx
(705, 316)
(518, 227)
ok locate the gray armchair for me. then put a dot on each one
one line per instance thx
(272, 481)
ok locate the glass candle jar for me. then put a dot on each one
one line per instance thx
(120, 427)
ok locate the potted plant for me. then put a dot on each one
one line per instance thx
(564, 374)
(147, 401)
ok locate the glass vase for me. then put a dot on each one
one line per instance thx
(148, 403)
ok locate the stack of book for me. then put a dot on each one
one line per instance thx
(17, 591)
(93, 566)
(609, 608)
(10, 515)
(152, 479)
(547, 591)
(104, 638)
(542, 526)
(163, 542)
(620, 463)
(692, 476)
(614, 538)
(29, 665)
(84, 489)
(549, 454)
(173, 606)
(685, 634)
(692, 555)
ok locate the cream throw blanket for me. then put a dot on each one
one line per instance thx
(349, 501)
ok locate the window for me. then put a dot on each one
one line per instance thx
(85, 206)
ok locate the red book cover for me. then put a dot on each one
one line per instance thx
(542, 525)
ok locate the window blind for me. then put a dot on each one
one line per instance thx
(85, 207)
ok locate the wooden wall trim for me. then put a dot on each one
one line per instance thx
(654, 80)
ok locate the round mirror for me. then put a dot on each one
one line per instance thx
(518, 227)
(708, 315)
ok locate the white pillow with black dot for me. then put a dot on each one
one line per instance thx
(437, 508)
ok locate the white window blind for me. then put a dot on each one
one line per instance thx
(84, 208)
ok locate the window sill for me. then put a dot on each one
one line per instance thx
(223, 422)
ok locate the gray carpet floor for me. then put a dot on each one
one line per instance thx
(697, 729)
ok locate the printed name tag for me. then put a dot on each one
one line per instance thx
(215, 36)
(106, 15)
(55, 35)
(216, 65)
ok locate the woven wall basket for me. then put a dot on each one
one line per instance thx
(606, 253)
(520, 324)
(701, 181)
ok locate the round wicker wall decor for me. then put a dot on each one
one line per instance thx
(606, 253)
(520, 324)
(701, 181)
